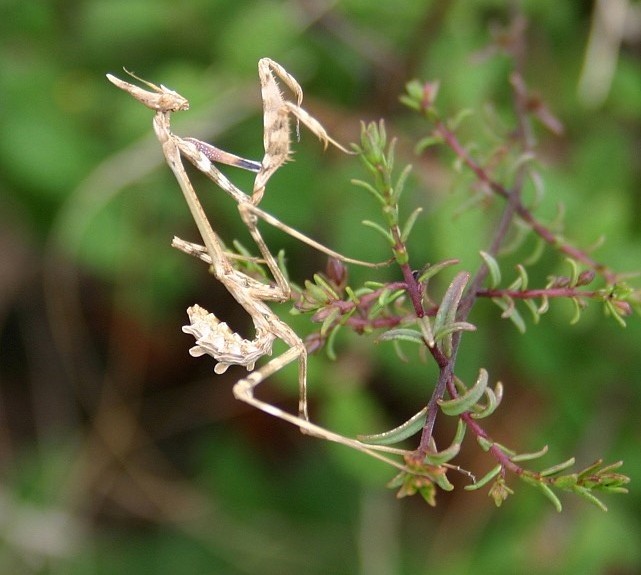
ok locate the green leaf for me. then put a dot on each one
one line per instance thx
(611, 309)
(466, 401)
(385, 233)
(320, 281)
(427, 142)
(588, 496)
(454, 327)
(403, 334)
(546, 491)
(494, 397)
(431, 270)
(566, 482)
(371, 189)
(537, 252)
(316, 293)
(534, 310)
(577, 310)
(529, 456)
(329, 347)
(455, 122)
(409, 224)
(329, 320)
(545, 305)
(493, 268)
(414, 90)
(523, 276)
(486, 444)
(426, 330)
(485, 479)
(443, 482)
(574, 272)
(400, 183)
(445, 455)
(412, 426)
(510, 312)
(558, 467)
(447, 311)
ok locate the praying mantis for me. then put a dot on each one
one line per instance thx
(213, 337)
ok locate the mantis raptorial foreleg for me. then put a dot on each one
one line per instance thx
(214, 337)
(276, 110)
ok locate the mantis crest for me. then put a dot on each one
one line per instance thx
(216, 338)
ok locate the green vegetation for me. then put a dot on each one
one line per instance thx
(122, 454)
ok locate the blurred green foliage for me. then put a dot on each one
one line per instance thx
(121, 454)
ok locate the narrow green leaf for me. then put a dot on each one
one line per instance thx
(558, 467)
(414, 89)
(588, 496)
(329, 320)
(400, 184)
(329, 346)
(447, 310)
(410, 103)
(455, 122)
(371, 189)
(537, 252)
(482, 411)
(399, 351)
(485, 444)
(444, 455)
(510, 312)
(577, 310)
(605, 469)
(281, 264)
(402, 333)
(432, 270)
(509, 452)
(529, 456)
(516, 285)
(614, 312)
(566, 482)
(494, 397)
(386, 234)
(593, 468)
(320, 281)
(466, 401)
(427, 142)
(426, 330)
(485, 479)
(409, 224)
(413, 425)
(354, 296)
(550, 495)
(523, 275)
(316, 292)
(454, 327)
(493, 268)
(534, 310)
(461, 428)
(574, 272)
(443, 482)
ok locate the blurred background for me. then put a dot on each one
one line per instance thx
(119, 453)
